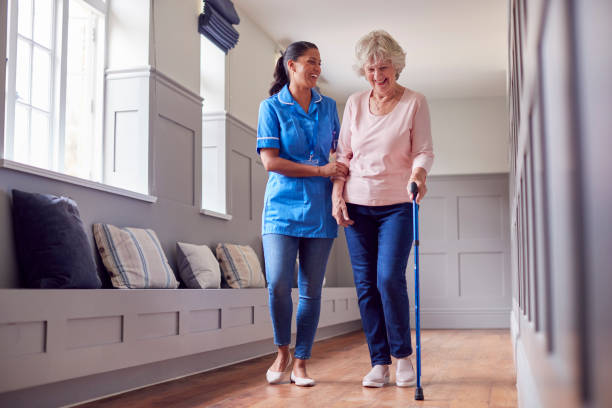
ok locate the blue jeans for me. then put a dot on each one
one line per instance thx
(379, 244)
(280, 252)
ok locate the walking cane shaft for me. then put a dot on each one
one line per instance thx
(418, 393)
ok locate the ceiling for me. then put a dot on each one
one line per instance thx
(455, 48)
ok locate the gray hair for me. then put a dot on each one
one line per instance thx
(377, 46)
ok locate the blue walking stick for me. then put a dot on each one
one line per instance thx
(414, 189)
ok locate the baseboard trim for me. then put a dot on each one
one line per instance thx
(464, 318)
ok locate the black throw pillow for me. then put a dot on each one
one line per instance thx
(52, 248)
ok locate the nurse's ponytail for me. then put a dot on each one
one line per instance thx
(281, 73)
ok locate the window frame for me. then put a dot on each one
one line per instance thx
(57, 87)
(215, 136)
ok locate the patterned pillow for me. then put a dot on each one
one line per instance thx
(198, 267)
(133, 257)
(240, 266)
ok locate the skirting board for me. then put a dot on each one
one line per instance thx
(106, 384)
(527, 391)
(463, 319)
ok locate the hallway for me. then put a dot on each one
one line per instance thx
(461, 368)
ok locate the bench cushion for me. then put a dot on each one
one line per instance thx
(52, 248)
(198, 267)
(240, 266)
(133, 257)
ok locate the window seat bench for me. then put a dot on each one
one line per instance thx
(48, 336)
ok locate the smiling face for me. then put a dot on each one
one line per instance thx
(381, 75)
(306, 69)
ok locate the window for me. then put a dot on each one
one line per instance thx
(214, 124)
(54, 87)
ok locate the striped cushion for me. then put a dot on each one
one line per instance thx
(240, 266)
(133, 257)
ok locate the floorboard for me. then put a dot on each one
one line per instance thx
(461, 368)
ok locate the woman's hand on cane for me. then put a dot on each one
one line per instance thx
(418, 176)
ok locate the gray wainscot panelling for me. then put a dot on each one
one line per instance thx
(464, 254)
(117, 329)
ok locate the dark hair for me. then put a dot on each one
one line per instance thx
(293, 52)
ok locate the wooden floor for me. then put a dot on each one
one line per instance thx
(461, 368)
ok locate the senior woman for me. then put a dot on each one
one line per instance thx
(296, 131)
(385, 141)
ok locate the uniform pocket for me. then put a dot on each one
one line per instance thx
(297, 145)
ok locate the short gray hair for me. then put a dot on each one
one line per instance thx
(376, 46)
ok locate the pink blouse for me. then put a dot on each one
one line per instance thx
(381, 151)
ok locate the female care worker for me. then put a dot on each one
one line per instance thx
(297, 129)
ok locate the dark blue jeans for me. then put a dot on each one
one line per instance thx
(280, 252)
(379, 244)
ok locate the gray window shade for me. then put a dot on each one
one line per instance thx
(215, 23)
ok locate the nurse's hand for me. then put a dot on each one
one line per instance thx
(333, 169)
(340, 212)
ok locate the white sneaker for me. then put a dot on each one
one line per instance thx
(301, 381)
(404, 375)
(278, 377)
(377, 377)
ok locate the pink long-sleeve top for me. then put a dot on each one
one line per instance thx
(382, 150)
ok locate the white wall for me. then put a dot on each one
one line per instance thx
(470, 135)
(340, 105)
(177, 41)
(251, 65)
(128, 34)
(3, 16)
(171, 43)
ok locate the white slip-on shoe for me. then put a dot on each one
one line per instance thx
(278, 377)
(301, 381)
(377, 377)
(404, 375)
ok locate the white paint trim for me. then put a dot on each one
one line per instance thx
(148, 71)
(210, 213)
(172, 84)
(230, 119)
(210, 116)
(246, 128)
(135, 72)
(65, 178)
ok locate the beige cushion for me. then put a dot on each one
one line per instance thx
(133, 257)
(240, 266)
(198, 267)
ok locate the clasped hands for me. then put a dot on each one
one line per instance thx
(340, 212)
(333, 169)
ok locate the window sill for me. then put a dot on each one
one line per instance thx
(50, 174)
(210, 213)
